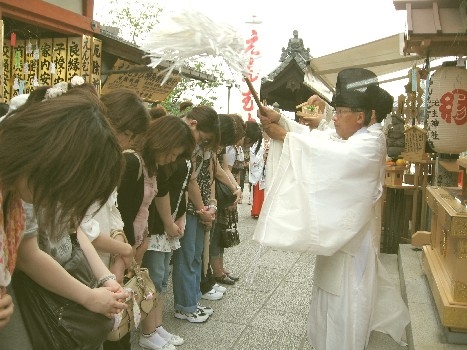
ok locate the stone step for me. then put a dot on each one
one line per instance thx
(425, 332)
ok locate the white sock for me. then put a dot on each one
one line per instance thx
(163, 333)
(156, 339)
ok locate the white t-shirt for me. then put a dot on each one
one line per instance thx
(108, 218)
(234, 153)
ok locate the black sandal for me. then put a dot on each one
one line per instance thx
(224, 279)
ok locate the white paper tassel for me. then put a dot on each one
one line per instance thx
(29, 47)
(35, 54)
(183, 36)
(16, 84)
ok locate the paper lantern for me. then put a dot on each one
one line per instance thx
(447, 110)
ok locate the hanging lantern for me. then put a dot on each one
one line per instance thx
(447, 110)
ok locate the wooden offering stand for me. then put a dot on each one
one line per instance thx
(306, 113)
(445, 258)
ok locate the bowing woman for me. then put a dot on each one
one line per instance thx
(47, 151)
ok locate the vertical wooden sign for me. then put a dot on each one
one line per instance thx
(45, 61)
(17, 66)
(2, 66)
(96, 57)
(86, 58)
(32, 67)
(7, 81)
(74, 57)
(59, 59)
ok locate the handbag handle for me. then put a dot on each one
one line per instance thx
(135, 268)
(233, 218)
(135, 271)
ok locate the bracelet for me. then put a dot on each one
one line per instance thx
(115, 233)
(210, 206)
(238, 187)
(106, 278)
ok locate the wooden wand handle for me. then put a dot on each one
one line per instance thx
(255, 96)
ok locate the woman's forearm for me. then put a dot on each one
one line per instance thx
(48, 273)
(105, 243)
(194, 194)
(163, 207)
(97, 265)
(227, 170)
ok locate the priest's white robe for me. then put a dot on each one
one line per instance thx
(323, 197)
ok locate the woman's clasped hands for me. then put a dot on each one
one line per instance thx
(108, 300)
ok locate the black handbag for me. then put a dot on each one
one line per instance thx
(224, 196)
(55, 322)
(229, 236)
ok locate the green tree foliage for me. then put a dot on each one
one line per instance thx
(135, 19)
(197, 91)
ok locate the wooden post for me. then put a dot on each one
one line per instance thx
(415, 197)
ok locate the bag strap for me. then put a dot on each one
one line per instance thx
(134, 269)
(233, 218)
(182, 192)
(140, 171)
(198, 153)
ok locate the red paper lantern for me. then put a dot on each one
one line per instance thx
(447, 110)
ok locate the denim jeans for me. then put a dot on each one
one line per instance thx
(187, 265)
(158, 265)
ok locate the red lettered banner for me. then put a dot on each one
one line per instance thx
(249, 108)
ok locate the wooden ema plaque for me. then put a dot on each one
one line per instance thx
(414, 147)
(445, 260)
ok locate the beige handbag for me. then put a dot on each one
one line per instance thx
(142, 299)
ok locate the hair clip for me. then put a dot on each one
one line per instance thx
(76, 81)
(56, 90)
(62, 87)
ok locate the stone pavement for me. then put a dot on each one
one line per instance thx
(270, 313)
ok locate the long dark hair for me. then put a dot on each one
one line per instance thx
(207, 121)
(163, 135)
(67, 151)
(126, 110)
(227, 130)
(253, 134)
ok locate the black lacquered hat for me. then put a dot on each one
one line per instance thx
(351, 86)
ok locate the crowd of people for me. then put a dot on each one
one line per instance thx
(127, 184)
(132, 185)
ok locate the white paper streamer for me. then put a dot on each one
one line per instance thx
(189, 34)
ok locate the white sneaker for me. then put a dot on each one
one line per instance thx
(195, 317)
(146, 343)
(212, 295)
(206, 309)
(169, 337)
(175, 340)
(219, 288)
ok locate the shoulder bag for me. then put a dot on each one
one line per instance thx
(229, 236)
(55, 322)
(224, 196)
(142, 299)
